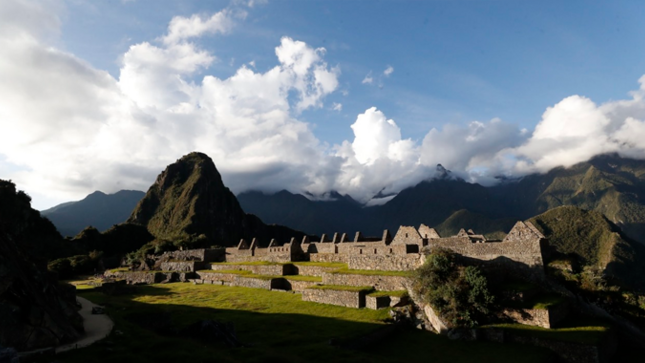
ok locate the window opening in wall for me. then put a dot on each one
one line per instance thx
(406, 235)
(375, 251)
(390, 250)
(360, 252)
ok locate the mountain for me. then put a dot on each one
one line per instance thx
(35, 311)
(98, 209)
(189, 202)
(609, 184)
(592, 242)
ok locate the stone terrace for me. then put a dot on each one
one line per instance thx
(359, 272)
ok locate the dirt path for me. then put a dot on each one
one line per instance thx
(97, 327)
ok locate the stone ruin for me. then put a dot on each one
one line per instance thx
(333, 260)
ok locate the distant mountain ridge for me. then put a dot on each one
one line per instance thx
(609, 184)
(98, 209)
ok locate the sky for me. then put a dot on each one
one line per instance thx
(360, 97)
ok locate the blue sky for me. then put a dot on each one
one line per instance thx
(454, 61)
(102, 95)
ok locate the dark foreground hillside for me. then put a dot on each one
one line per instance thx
(35, 311)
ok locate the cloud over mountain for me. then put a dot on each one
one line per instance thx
(69, 128)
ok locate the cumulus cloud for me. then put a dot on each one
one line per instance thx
(70, 129)
(182, 28)
(389, 70)
(73, 129)
(576, 129)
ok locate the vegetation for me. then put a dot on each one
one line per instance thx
(68, 267)
(273, 326)
(590, 252)
(459, 294)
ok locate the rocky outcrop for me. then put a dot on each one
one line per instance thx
(35, 311)
(189, 201)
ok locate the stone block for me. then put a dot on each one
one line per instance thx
(377, 302)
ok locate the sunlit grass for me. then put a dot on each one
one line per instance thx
(274, 326)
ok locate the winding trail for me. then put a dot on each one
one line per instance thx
(97, 327)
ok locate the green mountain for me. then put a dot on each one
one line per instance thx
(98, 209)
(189, 202)
(591, 242)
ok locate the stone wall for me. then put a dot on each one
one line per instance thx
(206, 255)
(266, 284)
(183, 266)
(377, 302)
(545, 318)
(141, 277)
(296, 285)
(216, 276)
(305, 270)
(350, 299)
(327, 257)
(381, 283)
(239, 280)
(278, 269)
(386, 262)
(522, 257)
(407, 235)
(324, 247)
(437, 324)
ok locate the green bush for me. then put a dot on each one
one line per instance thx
(459, 294)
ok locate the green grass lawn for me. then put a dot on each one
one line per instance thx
(274, 326)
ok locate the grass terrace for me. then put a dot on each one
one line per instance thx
(234, 272)
(250, 274)
(541, 302)
(589, 332)
(339, 265)
(301, 278)
(373, 272)
(343, 288)
(250, 263)
(273, 326)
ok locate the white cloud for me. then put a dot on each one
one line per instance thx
(90, 131)
(389, 70)
(368, 79)
(70, 129)
(182, 28)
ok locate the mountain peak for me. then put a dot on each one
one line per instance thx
(189, 199)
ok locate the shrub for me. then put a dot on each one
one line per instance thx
(459, 294)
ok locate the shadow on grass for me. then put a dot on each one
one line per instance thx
(273, 326)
